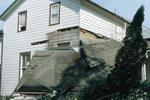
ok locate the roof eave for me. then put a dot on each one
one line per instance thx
(3, 17)
(106, 10)
(7, 12)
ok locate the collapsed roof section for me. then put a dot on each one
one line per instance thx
(46, 67)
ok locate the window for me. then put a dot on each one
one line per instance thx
(144, 76)
(24, 62)
(22, 21)
(65, 44)
(145, 68)
(55, 13)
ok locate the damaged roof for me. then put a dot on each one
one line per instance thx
(46, 67)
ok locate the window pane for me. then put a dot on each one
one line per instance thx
(28, 60)
(55, 18)
(55, 9)
(144, 72)
(23, 61)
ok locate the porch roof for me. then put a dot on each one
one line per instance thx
(46, 67)
(43, 70)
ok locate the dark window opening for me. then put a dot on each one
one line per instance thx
(65, 44)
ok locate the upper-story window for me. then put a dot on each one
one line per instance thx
(22, 21)
(55, 13)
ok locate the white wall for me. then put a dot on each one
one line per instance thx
(100, 22)
(37, 28)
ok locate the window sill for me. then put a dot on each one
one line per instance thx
(54, 24)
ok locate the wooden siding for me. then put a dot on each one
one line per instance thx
(85, 35)
(101, 22)
(37, 28)
(68, 35)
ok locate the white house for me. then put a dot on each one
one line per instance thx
(27, 23)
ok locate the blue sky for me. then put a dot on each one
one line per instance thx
(124, 8)
(127, 8)
(3, 5)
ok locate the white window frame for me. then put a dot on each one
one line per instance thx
(24, 62)
(52, 13)
(22, 21)
(144, 74)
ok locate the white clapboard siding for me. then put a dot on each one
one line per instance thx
(70, 36)
(100, 22)
(37, 28)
